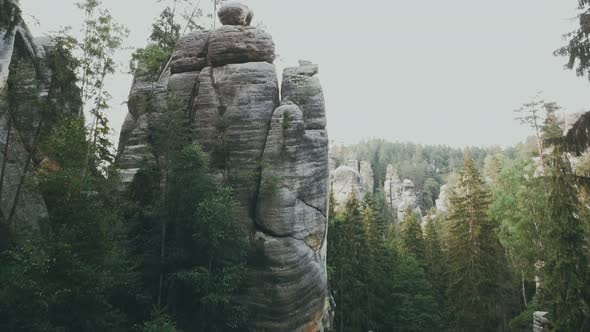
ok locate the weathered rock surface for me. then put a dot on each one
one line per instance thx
(302, 87)
(345, 181)
(271, 149)
(239, 44)
(191, 53)
(399, 196)
(235, 13)
(442, 202)
(367, 177)
(20, 53)
(540, 321)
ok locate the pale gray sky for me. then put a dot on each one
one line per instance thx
(431, 71)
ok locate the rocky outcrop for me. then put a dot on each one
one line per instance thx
(442, 202)
(345, 181)
(400, 195)
(271, 149)
(353, 176)
(21, 59)
(540, 322)
(367, 177)
(235, 13)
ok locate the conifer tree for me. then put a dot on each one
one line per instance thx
(435, 260)
(566, 269)
(476, 259)
(350, 264)
(412, 238)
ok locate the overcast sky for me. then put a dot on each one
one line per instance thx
(431, 71)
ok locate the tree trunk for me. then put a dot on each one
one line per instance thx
(524, 290)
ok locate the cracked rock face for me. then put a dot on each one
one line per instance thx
(272, 150)
(20, 53)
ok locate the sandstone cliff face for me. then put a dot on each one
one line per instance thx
(344, 181)
(20, 55)
(353, 176)
(271, 149)
(400, 195)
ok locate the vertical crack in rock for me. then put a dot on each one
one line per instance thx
(274, 156)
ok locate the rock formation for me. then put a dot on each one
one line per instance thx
(367, 177)
(344, 181)
(442, 202)
(540, 321)
(21, 59)
(229, 90)
(399, 196)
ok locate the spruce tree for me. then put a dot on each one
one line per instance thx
(476, 258)
(350, 279)
(412, 238)
(566, 269)
(435, 260)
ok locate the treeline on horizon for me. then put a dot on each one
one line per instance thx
(428, 166)
(514, 240)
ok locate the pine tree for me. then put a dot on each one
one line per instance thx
(435, 260)
(476, 259)
(412, 238)
(349, 281)
(566, 269)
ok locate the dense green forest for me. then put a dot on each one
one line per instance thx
(167, 254)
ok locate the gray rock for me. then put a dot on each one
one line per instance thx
(274, 157)
(367, 177)
(235, 13)
(302, 87)
(540, 321)
(442, 202)
(19, 189)
(190, 53)
(345, 182)
(400, 196)
(239, 44)
(294, 185)
(291, 289)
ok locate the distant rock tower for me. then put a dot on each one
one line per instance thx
(229, 90)
(399, 196)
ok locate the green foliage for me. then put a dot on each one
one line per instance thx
(566, 268)
(102, 38)
(435, 261)
(520, 205)
(161, 322)
(375, 286)
(478, 281)
(427, 166)
(10, 15)
(78, 263)
(577, 42)
(411, 237)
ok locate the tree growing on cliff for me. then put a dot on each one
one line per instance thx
(102, 38)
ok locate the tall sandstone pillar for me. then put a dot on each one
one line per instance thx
(271, 149)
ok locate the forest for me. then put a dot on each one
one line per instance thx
(204, 237)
